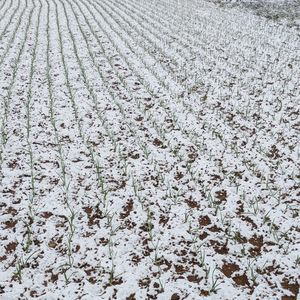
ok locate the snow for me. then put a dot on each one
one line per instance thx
(148, 150)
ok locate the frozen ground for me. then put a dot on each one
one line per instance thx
(149, 150)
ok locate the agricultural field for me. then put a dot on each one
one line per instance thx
(149, 149)
(283, 11)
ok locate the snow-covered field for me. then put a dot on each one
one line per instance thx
(149, 150)
(283, 11)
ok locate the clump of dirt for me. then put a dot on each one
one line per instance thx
(192, 203)
(292, 286)
(178, 176)
(10, 224)
(180, 269)
(134, 156)
(163, 219)
(257, 242)
(221, 196)
(204, 221)
(46, 214)
(55, 242)
(94, 215)
(175, 296)
(229, 268)
(241, 280)
(11, 247)
(158, 143)
(219, 248)
(136, 259)
(127, 209)
(194, 278)
(145, 282)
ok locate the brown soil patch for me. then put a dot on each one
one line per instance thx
(229, 268)
(241, 280)
(175, 297)
(292, 287)
(194, 278)
(257, 242)
(128, 208)
(11, 247)
(221, 196)
(204, 221)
